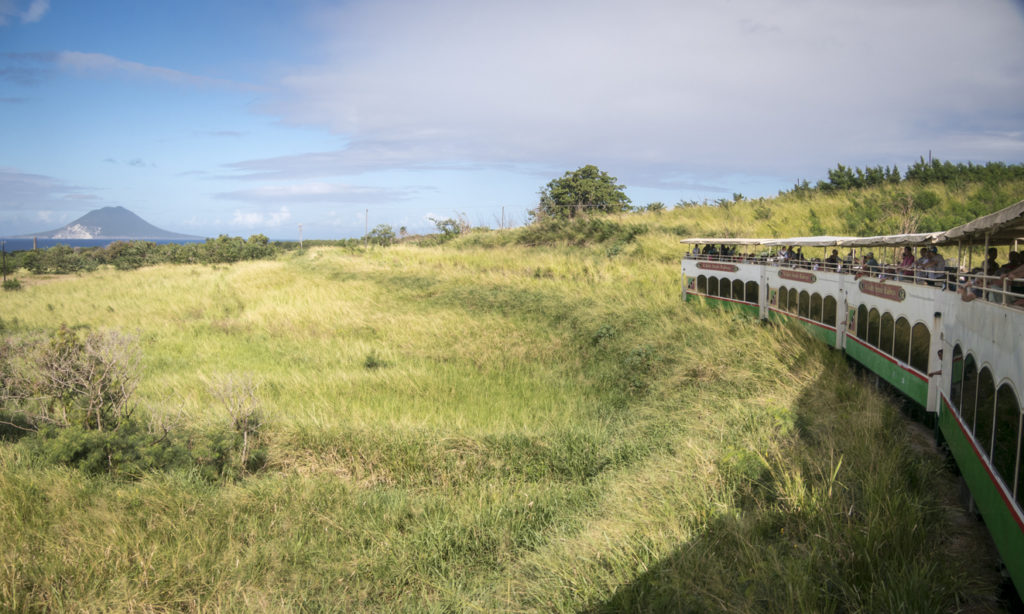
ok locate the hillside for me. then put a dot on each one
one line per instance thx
(526, 420)
(110, 223)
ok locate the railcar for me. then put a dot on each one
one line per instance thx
(949, 338)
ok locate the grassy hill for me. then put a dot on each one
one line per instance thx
(526, 420)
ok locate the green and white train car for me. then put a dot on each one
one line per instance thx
(957, 352)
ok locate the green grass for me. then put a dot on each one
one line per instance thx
(483, 426)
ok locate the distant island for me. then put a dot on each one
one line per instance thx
(109, 223)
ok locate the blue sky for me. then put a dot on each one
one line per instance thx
(243, 117)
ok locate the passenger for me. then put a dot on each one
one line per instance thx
(937, 271)
(870, 264)
(1011, 276)
(832, 262)
(990, 266)
(907, 264)
(923, 265)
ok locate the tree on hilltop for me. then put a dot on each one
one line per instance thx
(585, 190)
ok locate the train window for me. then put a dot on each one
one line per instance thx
(885, 337)
(1007, 436)
(794, 300)
(816, 307)
(829, 311)
(702, 284)
(969, 401)
(805, 304)
(956, 377)
(901, 340)
(752, 292)
(862, 323)
(783, 298)
(725, 288)
(873, 326)
(920, 342)
(737, 289)
(712, 286)
(986, 409)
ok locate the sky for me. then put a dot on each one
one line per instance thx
(266, 116)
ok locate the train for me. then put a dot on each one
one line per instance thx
(950, 337)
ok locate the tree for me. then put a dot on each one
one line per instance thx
(382, 234)
(585, 190)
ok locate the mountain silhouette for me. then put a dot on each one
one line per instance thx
(110, 223)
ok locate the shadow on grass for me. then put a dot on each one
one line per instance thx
(799, 539)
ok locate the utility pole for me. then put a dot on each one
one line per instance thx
(366, 232)
(503, 217)
(300, 236)
(3, 246)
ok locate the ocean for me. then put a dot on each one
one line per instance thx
(17, 245)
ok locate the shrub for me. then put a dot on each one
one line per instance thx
(12, 284)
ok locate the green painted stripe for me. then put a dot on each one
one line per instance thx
(1001, 520)
(904, 381)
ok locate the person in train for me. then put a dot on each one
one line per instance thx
(937, 269)
(832, 262)
(907, 264)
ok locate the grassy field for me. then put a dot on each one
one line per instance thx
(483, 426)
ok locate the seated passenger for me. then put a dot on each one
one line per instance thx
(1017, 273)
(832, 262)
(922, 265)
(937, 270)
(990, 266)
(907, 263)
(870, 264)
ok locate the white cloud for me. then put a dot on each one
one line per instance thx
(30, 14)
(313, 192)
(654, 88)
(27, 191)
(103, 63)
(255, 219)
(35, 11)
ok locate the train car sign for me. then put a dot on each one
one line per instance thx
(801, 276)
(718, 266)
(886, 291)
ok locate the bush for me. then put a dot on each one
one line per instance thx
(12, 284)
(67, 398)
(579, 231)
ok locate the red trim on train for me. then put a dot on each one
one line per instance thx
(1007, 497)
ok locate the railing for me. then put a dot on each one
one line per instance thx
(971, 286)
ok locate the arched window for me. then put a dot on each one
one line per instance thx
(725, 288)
(1006, 451)
(830, 311)
(783, 299)
(901, 340)
(702, 284)
(986, 410)
(712, 286)
(969, 400)
(816, 307)
(873, 327)
(956, 377)
(885, 337)
(737, 290)
(805, 304)
(920, 342)
(752, 295)
(862, 323)
(794, 300)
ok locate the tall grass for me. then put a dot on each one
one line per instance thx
(464, 428)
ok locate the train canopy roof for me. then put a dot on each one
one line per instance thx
(1002, 227)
